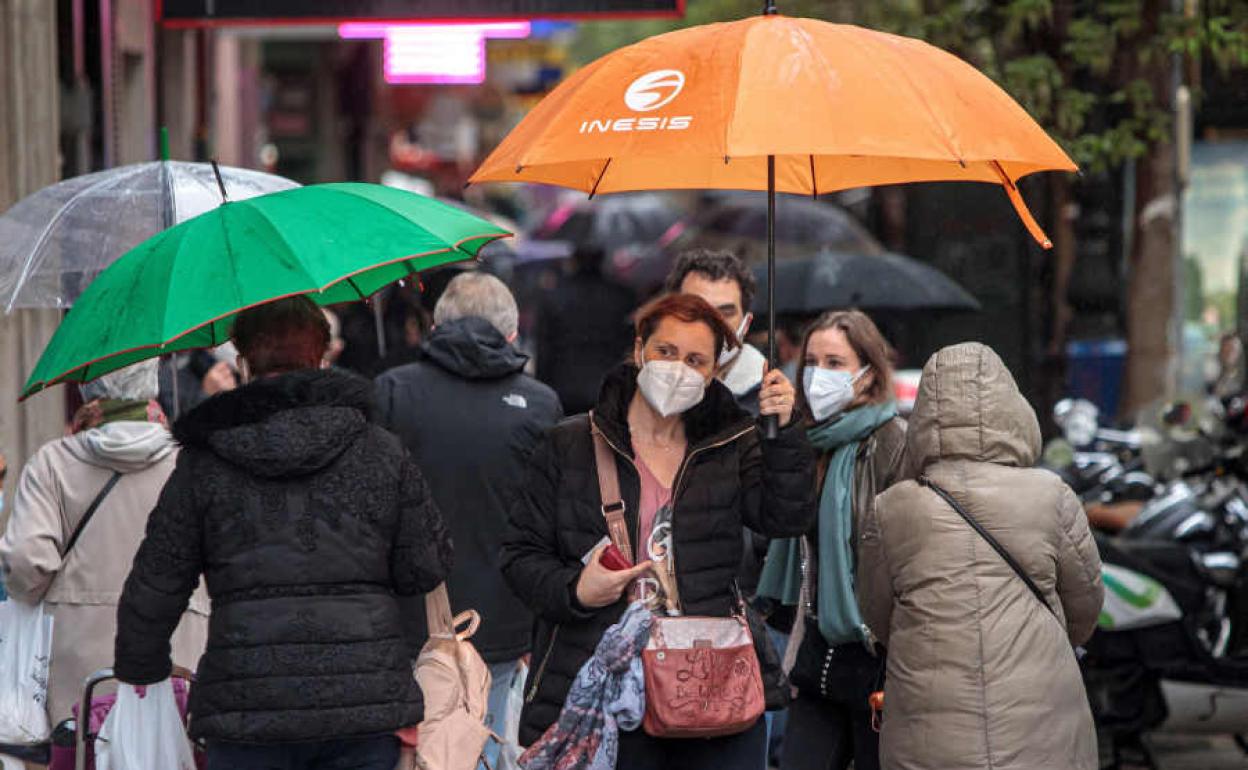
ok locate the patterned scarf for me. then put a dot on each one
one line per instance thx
(608, 695)
(102, 411)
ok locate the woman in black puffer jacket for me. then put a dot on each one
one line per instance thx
(307, 520)
(686, 454)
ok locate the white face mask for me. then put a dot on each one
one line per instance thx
(670, 387)
(728, 355)
(829, 391)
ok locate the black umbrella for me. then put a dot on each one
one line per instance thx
(833, 280)
(610, 223)
(738, 220)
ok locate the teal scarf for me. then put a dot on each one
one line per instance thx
(837, 609)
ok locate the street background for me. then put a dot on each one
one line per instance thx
(1144, 282)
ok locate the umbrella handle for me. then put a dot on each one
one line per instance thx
(771, 427)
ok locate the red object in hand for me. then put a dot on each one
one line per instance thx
(408, 736)
(614, 559)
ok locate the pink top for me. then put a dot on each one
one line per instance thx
(655, 513)
(655, 498)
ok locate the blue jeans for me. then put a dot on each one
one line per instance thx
(501, 677)
(379, 753)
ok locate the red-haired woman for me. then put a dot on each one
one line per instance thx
(693, 470)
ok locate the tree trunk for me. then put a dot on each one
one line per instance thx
(1151, 344)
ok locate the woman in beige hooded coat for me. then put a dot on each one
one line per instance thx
(980, 673)
(116, 434)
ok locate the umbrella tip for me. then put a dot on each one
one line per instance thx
(164, 143)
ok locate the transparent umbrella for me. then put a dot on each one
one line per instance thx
(55, 242)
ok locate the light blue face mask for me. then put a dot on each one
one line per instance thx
(829, 391)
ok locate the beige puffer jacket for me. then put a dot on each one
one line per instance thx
(81, 589)
(980, 675)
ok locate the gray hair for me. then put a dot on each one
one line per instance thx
(479, 295)
(137, 382)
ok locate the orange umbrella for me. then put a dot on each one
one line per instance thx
(838, 106)
(776, 103)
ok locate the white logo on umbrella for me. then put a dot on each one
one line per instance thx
(654, 90)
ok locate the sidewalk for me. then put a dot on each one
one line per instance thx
(1198, 752)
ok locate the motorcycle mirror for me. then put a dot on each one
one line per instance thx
(1081, 422)
(1177, 414)
(1061, 410)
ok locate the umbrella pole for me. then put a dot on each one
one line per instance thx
(379, 326)
(172, 360)
(166, 218)
(771, 425)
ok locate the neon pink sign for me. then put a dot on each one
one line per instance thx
(434, 53)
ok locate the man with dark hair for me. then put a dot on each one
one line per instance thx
(309, 522)
(470, 416)
(724, 281)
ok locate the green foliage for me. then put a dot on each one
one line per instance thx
(1091, 71)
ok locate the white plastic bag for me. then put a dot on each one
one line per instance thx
(509, 756)
(25, 647)
(144, 732)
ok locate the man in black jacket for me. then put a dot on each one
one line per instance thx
(307, 521)
(583, 330)
(471, 416)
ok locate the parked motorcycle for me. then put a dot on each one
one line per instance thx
(1171, 649)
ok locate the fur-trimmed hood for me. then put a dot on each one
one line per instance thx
(289, 425)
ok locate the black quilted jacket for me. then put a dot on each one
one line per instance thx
(731, 479)
(307, 521)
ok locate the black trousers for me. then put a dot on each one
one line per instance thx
(825, 735)
(744, 751)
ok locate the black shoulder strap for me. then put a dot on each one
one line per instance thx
(91, 509)
(992, 541)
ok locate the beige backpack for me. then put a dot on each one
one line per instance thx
(456, 686)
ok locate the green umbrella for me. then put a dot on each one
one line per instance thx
(181, 289)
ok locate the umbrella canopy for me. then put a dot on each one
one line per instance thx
(181, 289)
(54, 242)
(837, 280)
(836, 106)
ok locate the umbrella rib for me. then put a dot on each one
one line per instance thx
(598, 181)
(280, 237)
(47, 230)
(814, 185)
